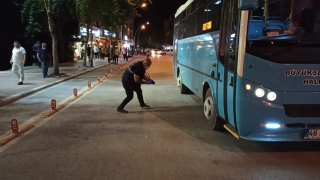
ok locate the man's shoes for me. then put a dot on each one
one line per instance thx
(20, 83)
(145, 106)
(45, 76)
(120, 110)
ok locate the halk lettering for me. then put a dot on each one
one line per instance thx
(311, 82)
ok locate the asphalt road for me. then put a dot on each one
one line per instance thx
(89, 140)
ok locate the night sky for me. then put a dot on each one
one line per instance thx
(156, 13)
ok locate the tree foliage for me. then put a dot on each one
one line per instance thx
(55, 17)
(35, 19)
(51, 17)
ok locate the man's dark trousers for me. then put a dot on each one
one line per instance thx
(129, 91)
(45, 68)
(116, 58)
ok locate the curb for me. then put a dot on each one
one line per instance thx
(12, 98)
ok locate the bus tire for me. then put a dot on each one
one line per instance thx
(210, 112)
(183, 88)
(179, 81)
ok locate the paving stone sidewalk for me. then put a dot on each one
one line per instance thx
(33, 76)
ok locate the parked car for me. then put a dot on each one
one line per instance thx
(158, 52)
(163, 52)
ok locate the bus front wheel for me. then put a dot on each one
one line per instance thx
(210, 112)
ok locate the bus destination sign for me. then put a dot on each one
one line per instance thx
(306, 73)
(207, 26)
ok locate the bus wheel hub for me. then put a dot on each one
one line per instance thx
(208, 108)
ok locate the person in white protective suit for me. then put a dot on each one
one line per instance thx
(18, 60)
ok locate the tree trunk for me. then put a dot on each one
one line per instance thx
(61, 50)
(61, 43)
(53, 33)
(55, 55)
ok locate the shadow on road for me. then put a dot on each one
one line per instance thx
(29, 84)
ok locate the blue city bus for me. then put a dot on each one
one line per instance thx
(254, 63)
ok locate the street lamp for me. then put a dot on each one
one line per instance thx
(138, 38)
(139, 35)
(139, 29)
(143, 5)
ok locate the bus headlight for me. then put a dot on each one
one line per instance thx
(272, 96)
(248, 87)
(259, 92)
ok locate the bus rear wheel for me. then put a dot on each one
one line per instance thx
(179, 81)
(183, 88)
(210, 112)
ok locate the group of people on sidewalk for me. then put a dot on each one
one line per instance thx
(132, 78)
(18, 59)
(111, 54)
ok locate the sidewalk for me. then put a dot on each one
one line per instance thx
(11, 91)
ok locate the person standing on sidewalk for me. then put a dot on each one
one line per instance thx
(109, 53)
(90, 60)
(36, 48)
(132, 79)
(125, 54)
(18, 60)
(44, 58)
(96, 52)
(103, 52)
(116, 56)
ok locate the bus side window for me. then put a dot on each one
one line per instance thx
(200, 3)
(233, 39)
(213, 13)
(193, 6)
(184, 14)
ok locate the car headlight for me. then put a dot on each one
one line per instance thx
(259, 92)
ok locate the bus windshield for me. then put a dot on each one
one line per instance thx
(281, 29)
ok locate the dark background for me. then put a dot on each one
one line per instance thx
(157, 14)
(11, 30)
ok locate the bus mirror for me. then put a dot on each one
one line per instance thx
(250, 4)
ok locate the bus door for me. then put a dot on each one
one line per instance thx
(228, 53)
(175, 52)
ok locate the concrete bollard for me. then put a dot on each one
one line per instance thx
(14, 126)
(53, 104)
(75, 92)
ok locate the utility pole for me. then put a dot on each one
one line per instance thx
(121, 39)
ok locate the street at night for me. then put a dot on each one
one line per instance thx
(88, 139)
(160, 90)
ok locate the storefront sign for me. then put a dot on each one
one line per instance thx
(95, 31)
